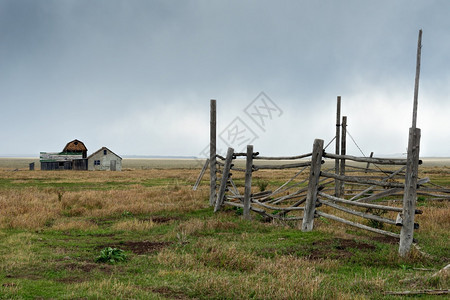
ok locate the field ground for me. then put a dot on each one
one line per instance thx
(54, 224)
(159, 163)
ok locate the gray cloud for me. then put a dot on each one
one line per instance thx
(137, 76)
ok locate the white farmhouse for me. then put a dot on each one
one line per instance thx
(104, 160)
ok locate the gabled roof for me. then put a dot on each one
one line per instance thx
(100, 150)
(75, 146)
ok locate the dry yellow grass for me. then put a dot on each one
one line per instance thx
(116, 289)
(150, 191)
(73, 224)
(134, 225)
(193, 226)
(84, 194)
(27, 208)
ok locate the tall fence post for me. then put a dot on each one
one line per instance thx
(410, 194)
(313, 184)
(248, 182)
(224, 180)
(416, 81)
(212, 154)
(412, 168)
(337, 183)
(343, 152)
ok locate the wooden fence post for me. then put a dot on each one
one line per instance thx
(412, 169)
(248, 181)
(416, 81)
(410, 194)
(368, 164)
(212, 154)
(313, 184)
(337, 183)
(343, 152)
(224, 180)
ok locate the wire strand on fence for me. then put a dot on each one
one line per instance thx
(329, 143)
(348, 132)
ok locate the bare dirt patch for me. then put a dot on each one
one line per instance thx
(161, 220)
(167, 292)
(337, 249)
(79, 271)
(86, 267)
(23, 275)
(386, 239)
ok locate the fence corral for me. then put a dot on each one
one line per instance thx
(344, 193)
(371, 199)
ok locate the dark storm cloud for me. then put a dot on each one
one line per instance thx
(137, 75)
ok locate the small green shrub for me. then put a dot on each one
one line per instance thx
(111, 255)
(376, 212)
(239, 211)
(421, 201)
(127, 214)
(262, 185)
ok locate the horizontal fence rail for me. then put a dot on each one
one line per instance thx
(378, 161)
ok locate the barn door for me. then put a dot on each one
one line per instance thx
(112, 165)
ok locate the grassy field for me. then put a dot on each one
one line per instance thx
(159, 163)
(54, 225)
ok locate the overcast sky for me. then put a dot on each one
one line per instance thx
(137, 76)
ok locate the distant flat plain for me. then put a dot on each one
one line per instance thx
(22, 163)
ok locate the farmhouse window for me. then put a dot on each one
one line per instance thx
(104, 152)
(96, 162)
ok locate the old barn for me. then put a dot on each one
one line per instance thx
(74, 157)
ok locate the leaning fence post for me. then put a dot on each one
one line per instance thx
(224, 180)
(212, 154)
(248, 182)
(200, 176)
(368, 164)
(313, 184)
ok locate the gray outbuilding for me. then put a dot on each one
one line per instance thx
(104, 160)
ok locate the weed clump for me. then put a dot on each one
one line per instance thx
(262, 185)
(111, 255)
(375, 223)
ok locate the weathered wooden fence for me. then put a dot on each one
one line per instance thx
(381, 192)
(308, 194)
(275, 204)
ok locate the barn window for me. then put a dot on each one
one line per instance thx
(104, 152)
(96, 162)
